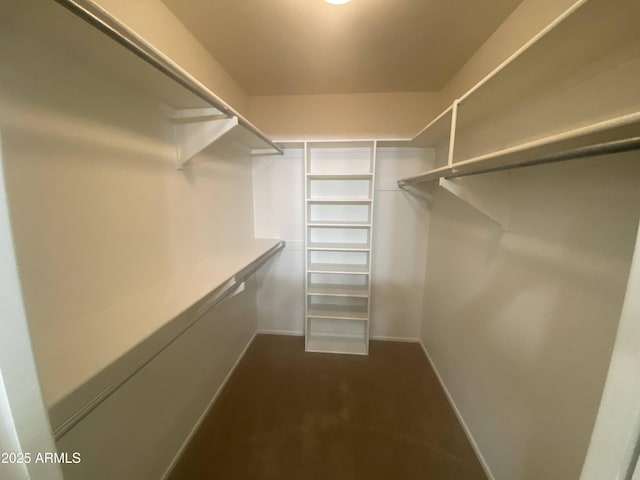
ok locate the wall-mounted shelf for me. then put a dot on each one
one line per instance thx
(580, 70)
(125, 56)
(343, 312)
(364, 247)
(338, 290)
(340, 177)
(341, 268)
(570, 92)
(338, 201)
(339, 224)
(332, 344)
(581, 142)
(161, 313)
(339, 212)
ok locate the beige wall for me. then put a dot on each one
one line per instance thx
(375, 115)
(520, 324)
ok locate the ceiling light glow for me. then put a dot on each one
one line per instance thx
(337, 2)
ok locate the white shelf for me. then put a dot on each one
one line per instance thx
(354, 176)
(427, 176)
(340, 224)
(619, 128)
(570, 92)
(343, 312)
(337, 268)
(149, 315)
(341, 247)
(337, 344)
(361, 291)
(339, 201)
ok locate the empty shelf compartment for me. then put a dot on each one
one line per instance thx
(348, 236)
(339, 223)
(337, 335)
(352, 260)
(336, 344)
(338, 246)
(352, 308)
(339, 212)
(342, 158)
(338, 290)
(324, 188)
(331, 284)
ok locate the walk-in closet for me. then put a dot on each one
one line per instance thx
(319, 239)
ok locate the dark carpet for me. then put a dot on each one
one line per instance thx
(290, 415)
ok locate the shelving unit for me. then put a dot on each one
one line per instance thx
(570, 92)
(339, 202)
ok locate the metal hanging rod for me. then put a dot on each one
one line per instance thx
(616, 146)
(229, 288)
(119, 32)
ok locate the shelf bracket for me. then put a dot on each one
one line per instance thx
(479, 194)
(197, 128)
(423, 191)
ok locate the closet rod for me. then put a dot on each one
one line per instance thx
(116, 30)
(616, 146)
(216, 298)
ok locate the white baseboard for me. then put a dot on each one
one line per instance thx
(474, 445)
(293, 333)
(202, 417)
(395, 339)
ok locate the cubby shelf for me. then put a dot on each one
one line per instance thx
(339, 201)
(336, 344)
(341, 247)
(342, 268)
(340, 224)
(338, 290)
(342, 312)
(366, 176)
(338, 215)
(504, 122)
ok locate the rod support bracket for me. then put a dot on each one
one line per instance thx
(197, 128)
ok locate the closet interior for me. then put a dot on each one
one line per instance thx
(157, 230)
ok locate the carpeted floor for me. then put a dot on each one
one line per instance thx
(290, 415)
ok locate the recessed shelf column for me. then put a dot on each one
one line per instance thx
(339, 202)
